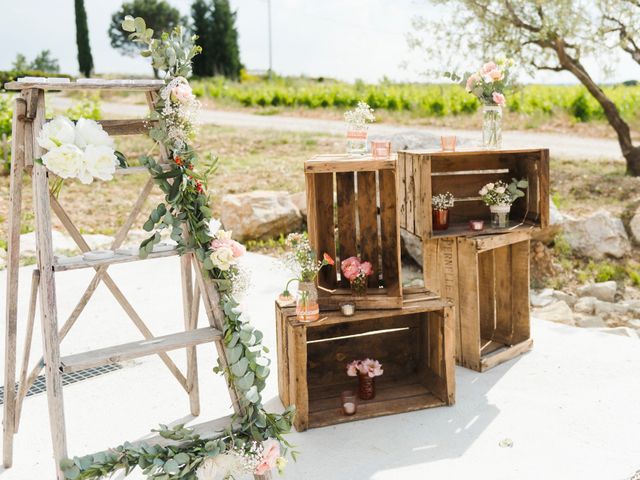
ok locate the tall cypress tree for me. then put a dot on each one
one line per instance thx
(224, 41)
(201, 13)
(85, 59)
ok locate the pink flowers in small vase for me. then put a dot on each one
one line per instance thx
(368, 366)
(366, 370)
(357, 273)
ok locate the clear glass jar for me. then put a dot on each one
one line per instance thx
(356, 139)
(307, 307)
(492, 127)
(500, 215)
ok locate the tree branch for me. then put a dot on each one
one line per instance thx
(517, 21)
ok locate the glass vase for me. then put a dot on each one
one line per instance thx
(440, 219)
(500, 215)
(307, 307)
(359, 286)
(366, 387)
(357, 139)
(492, 127)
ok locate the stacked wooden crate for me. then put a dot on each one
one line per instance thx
(484, 274)
(353, 210)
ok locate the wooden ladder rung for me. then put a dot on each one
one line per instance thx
(127, 127)
(61, 267)
(142, 348)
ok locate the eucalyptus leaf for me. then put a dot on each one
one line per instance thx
(240, 367)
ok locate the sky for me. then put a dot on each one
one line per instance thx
(344, 39)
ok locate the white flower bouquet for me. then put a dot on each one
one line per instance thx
(501, 193)
(442, 201)
(82, 150)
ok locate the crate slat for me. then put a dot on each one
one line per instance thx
(368, 223)
(390, 233)
(346, 218)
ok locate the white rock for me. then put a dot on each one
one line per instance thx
(623, 331)
(3, 258)
(605, 291)
(567, 298)
(260, 215)
(63, 243)
(634, 226)
(634, 323)
(558, 312)
(300, 201)
(608, 309)
(585, 305)
(556, 219)
(599, 235)
(589, 321)
(541, 299)
(411, 246)
(555, 216)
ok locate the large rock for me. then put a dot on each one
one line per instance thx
(542, 298)
(605, 291)
(299, 199)
(610, 310)
(260, 215)
(586, 305)
(599, 235)
(556, 220)
(634, 226)
(568, 298)
(411, 246)
(558, 312)
(589, 321)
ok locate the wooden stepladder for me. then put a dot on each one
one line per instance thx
(28, 119)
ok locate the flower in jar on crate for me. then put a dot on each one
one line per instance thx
(368, 366)
(501, 193)
(357, 273)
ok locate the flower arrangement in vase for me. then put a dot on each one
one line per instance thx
(488, 85)
(440, 205)
(357, 272)
(302, 260)
(499, 196)
(357, 127)
(366, 370)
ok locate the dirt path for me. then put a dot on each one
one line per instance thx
(561, 145)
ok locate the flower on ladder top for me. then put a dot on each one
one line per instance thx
(368, 366)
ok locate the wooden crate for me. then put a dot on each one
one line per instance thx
(414, 345)
(463, 173)
(352, 210)
(487, 278)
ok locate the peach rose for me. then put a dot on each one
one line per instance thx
(487, 67)
(499, 99)
(495, 75)
(270, 453)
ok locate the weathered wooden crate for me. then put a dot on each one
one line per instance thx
(487, 279)
(353, 210)
(414, 345)
(463, 173)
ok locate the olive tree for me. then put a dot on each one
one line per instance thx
(553, 35)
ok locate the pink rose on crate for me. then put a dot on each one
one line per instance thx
(352, 369)
(366, 268)
(495, 75)
(499, 99)
(270, 453)
(373, 368)
(471, 81)
(489, 66)
(182, 93)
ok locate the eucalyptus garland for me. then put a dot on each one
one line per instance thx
(252, 443)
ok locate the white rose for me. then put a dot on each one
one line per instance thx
(214, 226)
(90, 132)
(66, 161)
(208, 470)
(500, 189)
(222, 258)
(100, 162)
(483, 191)
(489, 186)
(223, 234)
(58, 131)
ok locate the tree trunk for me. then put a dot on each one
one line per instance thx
(630, 153)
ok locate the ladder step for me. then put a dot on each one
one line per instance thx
(74, 265)
(142, 348)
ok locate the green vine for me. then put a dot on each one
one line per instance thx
(186, 212)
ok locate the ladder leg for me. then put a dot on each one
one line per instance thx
(24, 384)
(190, 304)
(48, 310)
(13, 266)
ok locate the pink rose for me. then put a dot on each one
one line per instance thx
(499, 99)
(182, 93)
(352, 369)
(270, 453)
(487, 67)
(495, 75)
(366, 268)
(471, 81)
(351, 272)
(237, 248)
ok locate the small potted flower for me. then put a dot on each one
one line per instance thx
(440, 205)
(357, 272)
(302, 260)
(357, 127)
(366, 370)
(499, 196)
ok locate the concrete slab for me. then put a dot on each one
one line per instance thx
(569, 408)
